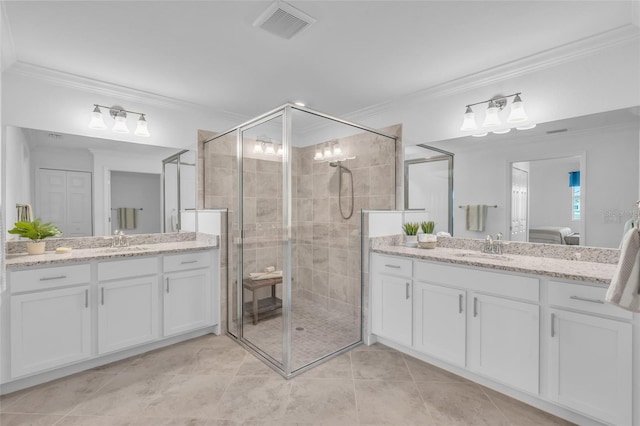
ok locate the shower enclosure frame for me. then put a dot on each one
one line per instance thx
(175, 159)
(284, 111)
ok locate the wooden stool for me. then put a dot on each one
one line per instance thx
(267, 304)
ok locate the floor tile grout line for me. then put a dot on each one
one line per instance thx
(413, 379)
(494, 404)
(353, 384)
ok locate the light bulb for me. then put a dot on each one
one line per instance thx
(121, 123)
(142, 129)
(257, 148)
(270, 150)
(517, 113)
(318, 155)
(97, 122)
(491, 118)
(469, 122)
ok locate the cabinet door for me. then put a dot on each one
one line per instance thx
(49, 329)
(187, 301)
(439, 322)
(590, 365)
(505, 340)
(127, 313)
(391, 308)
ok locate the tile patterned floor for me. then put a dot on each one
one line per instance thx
(317, 332)
(212, 381)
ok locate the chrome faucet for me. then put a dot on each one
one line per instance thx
(492, 246)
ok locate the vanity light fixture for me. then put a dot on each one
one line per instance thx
(269, 150)
(119, 116)
(517, 114)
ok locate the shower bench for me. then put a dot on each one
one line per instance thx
(267, 304)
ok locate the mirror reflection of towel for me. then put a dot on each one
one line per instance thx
(476, 217)
(127, 218)
(24, 213)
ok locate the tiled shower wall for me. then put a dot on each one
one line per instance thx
(326, 248)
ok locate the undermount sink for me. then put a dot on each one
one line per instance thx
(484, 256)
(122, 249)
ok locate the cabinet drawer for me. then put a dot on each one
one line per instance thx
(44, 278)
(392, 265)
(584, 298)
(129, 268)
(500, 284)
(181, 262)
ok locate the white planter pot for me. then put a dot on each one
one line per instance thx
(36, 248)
(411, 241)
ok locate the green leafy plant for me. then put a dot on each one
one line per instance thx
(411, 228)
(427, 227)
(35, 231)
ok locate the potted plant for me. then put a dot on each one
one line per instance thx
(36, 232)
(427, 239)
(411, 229)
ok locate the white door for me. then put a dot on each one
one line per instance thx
(439, 322)
(590, 365)
(392, 308)
(504, 342)
(78, 207)
(49, 329)
(519, 204)
(64, 198)
(187, 301)
(127, 313)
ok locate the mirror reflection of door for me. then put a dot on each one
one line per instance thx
(64, 199)
(519, 203)
(139, 192)
(429, 184)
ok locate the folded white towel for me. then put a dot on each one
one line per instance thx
(624, 290)
(476, 217)
(255, 276)
(270, 269)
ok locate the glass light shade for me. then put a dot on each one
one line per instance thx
(280, 151)
(480, 135)
(526, 127)
(257, 148)
(517, 114)
(502, 131)
(337, 150)
(327, 151)
(121, 123)
(141, 128)
(97, 121)
(491, 118)
(270, 150)
(469, 122)
(318, 155)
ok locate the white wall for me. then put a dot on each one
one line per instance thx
(18, 175)
(550, 196)
(140, 191)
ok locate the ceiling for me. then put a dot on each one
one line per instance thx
(358, 53)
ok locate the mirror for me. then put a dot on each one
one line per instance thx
(603, 147)
(428, 184)
(89, 186)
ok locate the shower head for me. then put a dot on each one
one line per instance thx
(339, 165)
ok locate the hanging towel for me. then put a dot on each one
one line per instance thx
(476, 217)
(24, 213)
(624, 290)
(127, 218)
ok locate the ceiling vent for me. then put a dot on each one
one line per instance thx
(283, 20)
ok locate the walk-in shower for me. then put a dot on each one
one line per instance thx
(294, 266)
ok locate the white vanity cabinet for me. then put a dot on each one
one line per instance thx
(127, 303)
(439, 322)
(504, 340)
(50, 318)
(188, 303)
(590, 356)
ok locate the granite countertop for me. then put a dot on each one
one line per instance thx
(592, 272)
(102, 253)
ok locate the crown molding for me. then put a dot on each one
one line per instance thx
(588, 46)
